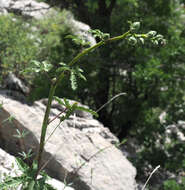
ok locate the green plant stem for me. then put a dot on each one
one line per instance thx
(86, 51)
(53, 88)
(150, 176)
(123, 36)
(57, 116)
(44, 127)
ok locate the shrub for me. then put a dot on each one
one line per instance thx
(172, 184)
(16, 44)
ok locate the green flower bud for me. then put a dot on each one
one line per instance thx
(163, 42)
(155, 42)
(135, 26)
(132, 40)
(53, 80)
(151, 34)
(142, 40)
(106, 36)
(159, 36)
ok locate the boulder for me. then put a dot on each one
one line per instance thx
(28, 8)
(12, 82)
(81, 150)
(8, 167)
(80, 29)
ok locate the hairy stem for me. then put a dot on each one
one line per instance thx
(44, 127)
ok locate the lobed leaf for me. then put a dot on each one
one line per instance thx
(59, 100)
(22, 166)
(73, 80)
(87, 110)
(12, 182)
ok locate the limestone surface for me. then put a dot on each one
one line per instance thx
(81, 150)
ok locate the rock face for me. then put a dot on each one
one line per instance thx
(11, 82)
(80, 29)
(29, 8)
(8, 166)
(81, 150)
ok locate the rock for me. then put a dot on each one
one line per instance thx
(14, 87)
(28, 8)
(8, 167)
(80, 29)
(13, 83)
(79, 151)
(14, 95)
(77, 113)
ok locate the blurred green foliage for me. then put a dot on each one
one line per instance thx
(16, 45)
(172, 184)
(24, 40)
(54, 48)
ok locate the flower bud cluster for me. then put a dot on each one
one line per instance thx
(156, 39)
(152, 36)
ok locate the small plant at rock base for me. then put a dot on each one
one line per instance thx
(30, 179)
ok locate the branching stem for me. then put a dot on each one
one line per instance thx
(53, 88)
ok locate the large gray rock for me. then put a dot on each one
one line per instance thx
(80, 29)
(11, 82)
(28, 8)
(8, 167)
(81, 150)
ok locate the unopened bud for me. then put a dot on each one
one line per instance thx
(53, 80)
(135, 26)
(132, 40)
(151, 34)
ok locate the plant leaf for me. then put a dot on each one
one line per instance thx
(31, 185)
(59, 101)
(22, 166)
(73, 80)
(64, 68)
(12, 182)
(87, 110)
(82, 76)
(49, 187)
(78, 72)
(67, 104)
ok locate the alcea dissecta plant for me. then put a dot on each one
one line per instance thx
(31, 181)
(105, 38)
